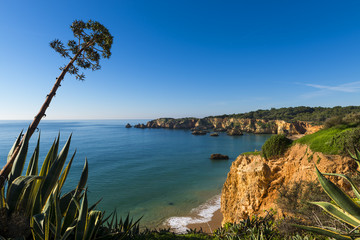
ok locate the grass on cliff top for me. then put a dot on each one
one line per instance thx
(337, 140)
(251, 153)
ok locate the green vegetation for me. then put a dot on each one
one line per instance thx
(343, 207)
(275, 146)
(251, 153)
(335, 140)
(316, 115)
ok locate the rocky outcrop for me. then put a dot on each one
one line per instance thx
(198, 132)
(140, 125)
(128, 125)
(253, 183)
(214, 134)
(234, 132)
(218, 156)
(245, 125)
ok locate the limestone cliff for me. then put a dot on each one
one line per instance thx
(252, 184)
(245, 125)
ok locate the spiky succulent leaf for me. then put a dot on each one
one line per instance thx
(16, 190)
(66, 172)
(338, 213)
(338, 196)
(33, 164)
(52, 177)
(19, 161)
(14, 146)
(82, 219)
(325, 232)
(353, 186)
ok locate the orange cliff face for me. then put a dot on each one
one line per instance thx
(245, 125)
(253, 183)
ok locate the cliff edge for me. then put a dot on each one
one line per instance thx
(253, 183)
(259, 126)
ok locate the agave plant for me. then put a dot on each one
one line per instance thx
(344, 208)
(36, 197)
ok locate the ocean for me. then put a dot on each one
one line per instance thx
(161, 175)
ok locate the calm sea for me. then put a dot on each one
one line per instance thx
(160, 174)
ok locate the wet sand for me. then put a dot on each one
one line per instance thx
(209, 227)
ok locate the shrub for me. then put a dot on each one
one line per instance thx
(333, 121)
(275, 146)
(348, 140)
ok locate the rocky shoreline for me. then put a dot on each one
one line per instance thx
(233, 126)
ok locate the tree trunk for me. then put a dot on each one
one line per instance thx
(7, 168)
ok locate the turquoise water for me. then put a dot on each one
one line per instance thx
(154, 173)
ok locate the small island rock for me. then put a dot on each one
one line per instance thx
(140, 125)
(128, 125)
(218, 156)
(198, 132)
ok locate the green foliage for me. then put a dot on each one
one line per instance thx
(335, 140)
(166, 234)
(92, 41)
(343, 207)
(275, 146)
(32, 204)
(255, 153)
(250, 228)
(317, 115)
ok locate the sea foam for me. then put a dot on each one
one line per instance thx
(203, 214)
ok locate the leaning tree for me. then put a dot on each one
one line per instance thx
(92, 41)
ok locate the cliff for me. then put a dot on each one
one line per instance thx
(253, 183)
(245, 125)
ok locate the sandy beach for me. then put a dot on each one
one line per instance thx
(209, 227)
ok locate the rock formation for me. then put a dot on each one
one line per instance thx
(234, 132)
(140, 125)
(245, 125)
(214, 134)
(252, 184)
(218, 156)
(128, 125)
(198, 132)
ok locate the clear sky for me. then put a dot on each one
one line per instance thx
(182, 58)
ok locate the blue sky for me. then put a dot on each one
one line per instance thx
(183, 58)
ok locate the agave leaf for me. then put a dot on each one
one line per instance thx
(338, 213)
(82, 219)
(33, 164)
(37, 226)
(46, 164)
(354, 187)
(47, 226)
(2, 197)
(65, 201)
(52, 177)
(83, 179)
(338, 196)
(66, 172)
(56, 150)
(70, 215)
(19, 161)
(94, 219)
(57, 211)
(94, 205)
(16, 190)
(17, 141)
(325, 232)
(68, 231)
(25, 201)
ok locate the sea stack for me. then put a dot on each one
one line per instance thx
(218, 156)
